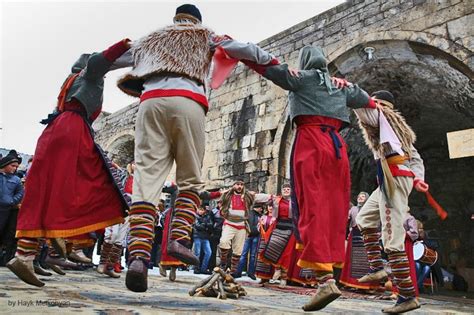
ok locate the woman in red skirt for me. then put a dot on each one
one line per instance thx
(319, 164)
(70, 190)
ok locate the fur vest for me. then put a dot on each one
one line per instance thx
(404, 133)
(180, 49)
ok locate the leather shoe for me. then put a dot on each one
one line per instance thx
(40, 271)
(61, 262)
(403, 307)
(325, 294)
(24, 271)
(136, 279)
(374, 276)
(182, 253)
(59, 245)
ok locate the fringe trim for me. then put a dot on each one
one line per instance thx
(171, 263)
(318, 266)
(68, 232)
(405, 134)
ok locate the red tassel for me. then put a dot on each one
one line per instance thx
(439, 210)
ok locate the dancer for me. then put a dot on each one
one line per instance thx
(170, 67)
(319, 164)
(399, 169)
(69, 191)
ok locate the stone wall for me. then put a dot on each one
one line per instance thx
(247, 127)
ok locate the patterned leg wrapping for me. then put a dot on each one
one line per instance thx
(401, 274)
(373, 248)
(234, 263)
(115, 254)
(184, 216)
(27, 248)
(224, 255)
(323, 276)
(105, 253)
(142, 230)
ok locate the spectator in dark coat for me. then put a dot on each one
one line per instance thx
(202, 231)
(11, 194)
(251, 243)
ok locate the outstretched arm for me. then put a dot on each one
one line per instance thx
(260, 61)
(357, 97)
(100, 63)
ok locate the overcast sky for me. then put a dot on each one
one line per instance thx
(40, 40)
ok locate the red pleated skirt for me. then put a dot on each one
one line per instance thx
(322, 189)
(68, 191)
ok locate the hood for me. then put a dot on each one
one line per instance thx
(312, 58)
(80, 64)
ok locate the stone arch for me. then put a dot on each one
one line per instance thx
(433, 90)
(456, 50)
(121, 147)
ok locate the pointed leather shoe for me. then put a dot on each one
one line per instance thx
(24, 271)
(374, 277)
(325, 294)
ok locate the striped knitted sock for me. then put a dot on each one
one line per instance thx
(401, 274)
(323, 276)
(142, 217)
(27, 248)
(372, 247)
(234, 263)
(183, 216)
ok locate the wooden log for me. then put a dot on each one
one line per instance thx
(227, 277)
(220, 286)
(233, 295)
(211, 292)
(193, 290)
(211, 282)
(231, 287)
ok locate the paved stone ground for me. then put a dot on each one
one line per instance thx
(90, 293)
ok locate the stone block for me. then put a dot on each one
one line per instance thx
(387, 5)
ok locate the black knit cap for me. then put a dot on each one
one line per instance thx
(189, 9)
(10, 158)
(384, 95)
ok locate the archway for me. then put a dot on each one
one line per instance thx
(121, 150)
(434, 93)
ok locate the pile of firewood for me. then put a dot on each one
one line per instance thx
(220, 285)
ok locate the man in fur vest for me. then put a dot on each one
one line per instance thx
(170, 67)
(236, 204)
(400, 168)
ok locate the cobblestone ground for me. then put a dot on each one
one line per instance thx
(90, 293)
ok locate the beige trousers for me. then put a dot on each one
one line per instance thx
(376, 211)
(117, 234)
(168, 129)
(233, 237)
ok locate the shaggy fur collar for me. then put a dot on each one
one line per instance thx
(181, 49)
(404, 133)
